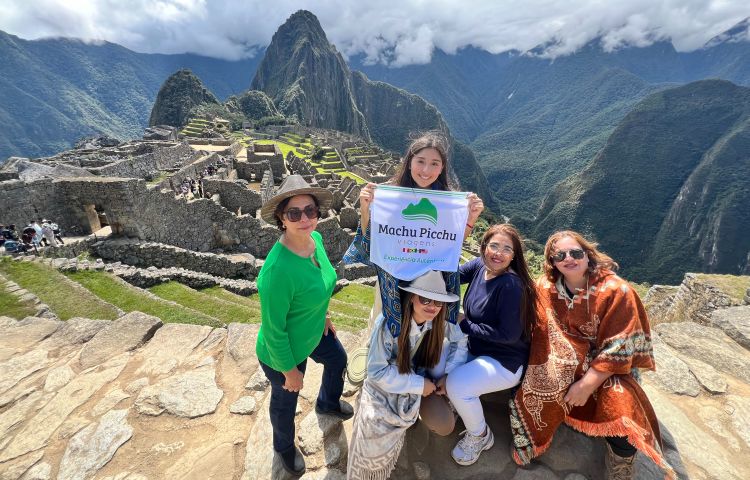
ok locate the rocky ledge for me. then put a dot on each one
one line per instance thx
(136, 399)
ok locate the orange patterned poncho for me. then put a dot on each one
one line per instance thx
(606, 328)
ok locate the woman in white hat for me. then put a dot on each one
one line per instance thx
(401, 378)
(295, 286)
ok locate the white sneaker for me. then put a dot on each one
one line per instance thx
(468, 449)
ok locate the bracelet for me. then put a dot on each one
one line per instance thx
(470, 226)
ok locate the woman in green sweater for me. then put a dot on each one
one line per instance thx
(295, 286)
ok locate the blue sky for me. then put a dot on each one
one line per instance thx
(398, 32)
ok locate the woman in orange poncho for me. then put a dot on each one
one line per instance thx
(591, 337)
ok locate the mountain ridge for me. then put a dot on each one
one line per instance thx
(682, 212)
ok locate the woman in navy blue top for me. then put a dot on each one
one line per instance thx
(499, 310)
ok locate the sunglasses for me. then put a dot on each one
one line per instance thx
(295, 214)
(427, 301)
(575, 253)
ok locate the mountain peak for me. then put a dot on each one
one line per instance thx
(179, 93)
(740, 32)
(307, 78)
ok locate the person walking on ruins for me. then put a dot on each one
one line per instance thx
(57, 232)
(425, 165)
(403, 378)
(499, 311)
(295, 286)
(48, 235)
(592, 333)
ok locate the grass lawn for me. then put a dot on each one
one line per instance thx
(356, 178)
(733, 285)
(11, 307)
(224, 310)
(129, 299)
(350, 307)
(284, 147)
(51, 287)
(218, 292)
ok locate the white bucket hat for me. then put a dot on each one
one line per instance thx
(431, 285)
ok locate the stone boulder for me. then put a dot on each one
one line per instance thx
(735, 322)
(122, 335)
(191, 394)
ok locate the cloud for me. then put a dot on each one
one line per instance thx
(391, 32)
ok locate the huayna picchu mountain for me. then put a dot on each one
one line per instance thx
(179, 94)
(669, 192)
(308, 79)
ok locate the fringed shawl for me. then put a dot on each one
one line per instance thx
(604, 327)
(378, 432)
(390, 295)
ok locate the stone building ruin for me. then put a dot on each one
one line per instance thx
(133, 187)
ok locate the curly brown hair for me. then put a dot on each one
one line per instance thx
(432, 139)
(598, 260)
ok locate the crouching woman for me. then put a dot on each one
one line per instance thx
(406, 375)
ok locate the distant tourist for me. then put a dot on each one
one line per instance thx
(57, 232)
(295, 286)
(425, 165)
(37, 239)
(10, 233)
(47, 234)
(499, 312)
(403, 378)
(591, 334)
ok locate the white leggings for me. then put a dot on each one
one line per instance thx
(479, 375)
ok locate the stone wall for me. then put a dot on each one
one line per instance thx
(148, 165)
(251, 171)
(234, 195)
(694, 301)
(147, 254)
(20, 202)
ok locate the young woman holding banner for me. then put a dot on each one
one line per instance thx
(425, 165)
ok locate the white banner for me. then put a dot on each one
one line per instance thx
(414, 230)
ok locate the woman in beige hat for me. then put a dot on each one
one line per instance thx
(295, 285)
(402, 378)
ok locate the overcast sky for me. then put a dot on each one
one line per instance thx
(396, 32)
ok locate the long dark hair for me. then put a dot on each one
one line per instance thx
(597, 260)
(428, 354)
(435, 140)
(518, 264)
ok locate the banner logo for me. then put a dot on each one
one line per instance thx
(423, 210)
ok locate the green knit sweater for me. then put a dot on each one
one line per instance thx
(294, 295)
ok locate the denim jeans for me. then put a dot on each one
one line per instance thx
(331, 354)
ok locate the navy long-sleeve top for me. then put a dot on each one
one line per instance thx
(492, 310)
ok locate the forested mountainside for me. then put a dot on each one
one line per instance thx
(54, 91)
(532, 121)
(669, 192)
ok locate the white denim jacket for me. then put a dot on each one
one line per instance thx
(382, 368)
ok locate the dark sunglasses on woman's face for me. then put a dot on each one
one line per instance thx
(295, 214)
(427, 301)
(575, 253)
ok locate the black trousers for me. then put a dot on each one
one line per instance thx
(621, 446)
(332, 355)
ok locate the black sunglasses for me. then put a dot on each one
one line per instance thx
(427, 301)
(295, 214)
(575, 253)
